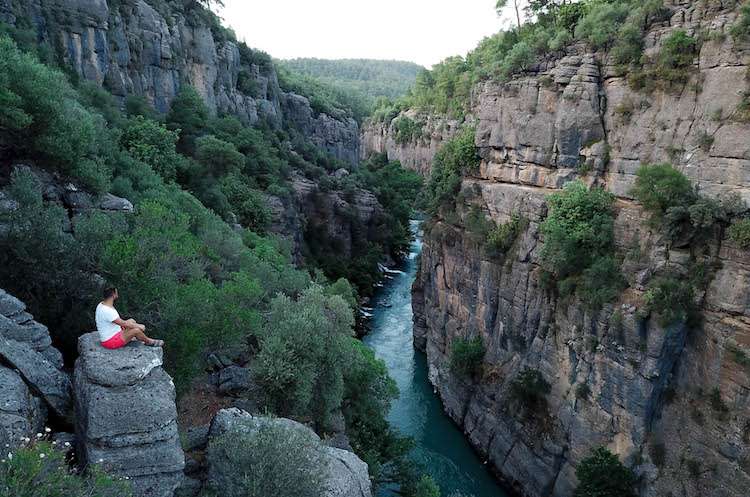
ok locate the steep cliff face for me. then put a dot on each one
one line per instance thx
(673, 403)
(131, 48)
(414, 152)
(311, 213)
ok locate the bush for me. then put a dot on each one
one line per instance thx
(423, 487)
(40, 116)
(672, 299)
(467, 355)
(603, 475)
(601, 282)
(406, 129)
(741, 29)
(578, 241)
(583, 391)
(455, 158)
(599, 27)
(188, 115)
(152, 143)
(40, 470)
(675, 57)
(518, 59)
(501, 238)
(262, 457)
(304, 349)
(530, 388)
(219, 158)
(659, 187)
(739, 232)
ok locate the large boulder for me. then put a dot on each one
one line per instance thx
(126, 418)
(34, 379)
(347, 473)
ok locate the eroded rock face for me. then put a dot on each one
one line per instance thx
(347, 477)
(32, 380)
(415, 154)
(134, 48)
(312, 212)
(648, 390)
(126, 417)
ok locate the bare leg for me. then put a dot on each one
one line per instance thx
(136, 333)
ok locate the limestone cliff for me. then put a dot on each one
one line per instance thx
(151, 49)
(414, 152)
(673, 403)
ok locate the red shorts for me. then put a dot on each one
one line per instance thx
(115, 342)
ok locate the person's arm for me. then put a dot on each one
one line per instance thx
(125, 324)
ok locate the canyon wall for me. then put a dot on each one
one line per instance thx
(673, 403)
(132, 48)
(414, 152)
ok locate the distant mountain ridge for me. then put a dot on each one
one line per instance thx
(369, 77)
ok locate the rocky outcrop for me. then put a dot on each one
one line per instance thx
(32, 381)
(151, 49)
(346, 474)
(672, 403)
(335, 217)
(126, 419)
(338, 137)
(416, 152)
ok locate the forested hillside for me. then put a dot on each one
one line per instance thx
(366, 81)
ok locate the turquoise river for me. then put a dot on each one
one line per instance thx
(440, 446)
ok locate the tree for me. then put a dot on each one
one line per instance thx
(501, 4)
(661, 186)
(262, 457)
(152, 143)
(603, 475)
(189, 116)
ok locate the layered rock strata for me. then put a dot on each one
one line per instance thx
(126, 419)
(671, 402)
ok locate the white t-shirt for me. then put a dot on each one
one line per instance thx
(105, 315)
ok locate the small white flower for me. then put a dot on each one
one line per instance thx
(47, 430)
(67, 444)
(42, 455)
(100, 461)
(39, 435)
(54, 442)
(10, 456)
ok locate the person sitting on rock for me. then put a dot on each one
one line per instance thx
(115, 332)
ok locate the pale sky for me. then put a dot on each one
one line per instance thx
(421, 31)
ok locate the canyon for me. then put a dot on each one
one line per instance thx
(576, 117)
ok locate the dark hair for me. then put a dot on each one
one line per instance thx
(109, 292)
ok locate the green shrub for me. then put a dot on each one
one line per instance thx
(467, 355)
(583, 391)
(248, 204)
(659, 187)
(675, 57)
(530, 389)
(303, 354)
(578, 241)
(455, 158)
(188, 115)
(739, 232)
(599, 27)
(518, 59)
(218, 157)
(406, 129)
(423, 487)
(40, 116)
(275, 459)
(672, 299)
(601, 282)
(603, 475)
(658, 453)
(741, 29)
(501, 238)
(40, 470)
(152, 143)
